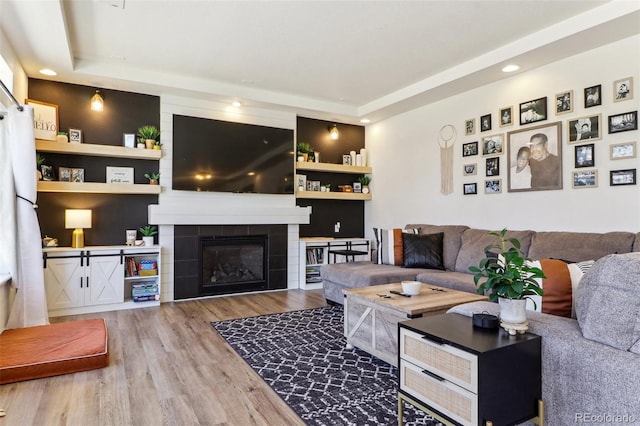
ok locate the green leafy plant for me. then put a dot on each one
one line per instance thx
(509, 275)
(152, 175)
(158, 143)
(148, 132)
(62, 133)
(304, 148)
(140, 141)
(148, 231)
(40, 159)
(364, 180)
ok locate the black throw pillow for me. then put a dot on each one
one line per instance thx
(423, 250)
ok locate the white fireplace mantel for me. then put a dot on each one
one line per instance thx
(190, 215)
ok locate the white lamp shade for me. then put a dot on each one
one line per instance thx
(77, 218)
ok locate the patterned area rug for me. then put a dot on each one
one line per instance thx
(302, 355)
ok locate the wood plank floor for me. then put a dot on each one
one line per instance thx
(167, 367)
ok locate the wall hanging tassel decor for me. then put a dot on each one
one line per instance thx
(446, 140)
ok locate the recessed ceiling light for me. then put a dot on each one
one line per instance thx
(47, 71)
(236, 104)
(365, 121)
(510, 68)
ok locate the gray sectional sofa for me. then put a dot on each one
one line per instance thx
(591, 364)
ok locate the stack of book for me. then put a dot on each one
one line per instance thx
(147, 268)
(144, 292)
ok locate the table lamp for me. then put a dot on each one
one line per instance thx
(77, 219)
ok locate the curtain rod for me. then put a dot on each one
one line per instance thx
(8, 92)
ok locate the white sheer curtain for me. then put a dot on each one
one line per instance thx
(20, 243)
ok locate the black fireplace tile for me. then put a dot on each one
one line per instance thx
(277, 279)
(278, 244)
(185, 248)
(210, 230)
(277, 261)
(185, 230)
(183, 268)
(231, 230)
(258, 229)
(278, 230)
(186, 287)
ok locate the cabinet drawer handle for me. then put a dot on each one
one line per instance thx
(87, 282)
(80, 282)
(434, 339)
(433, 375)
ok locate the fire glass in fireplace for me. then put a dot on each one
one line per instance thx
(232, 264)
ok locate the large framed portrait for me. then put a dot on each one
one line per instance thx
(534, 158)
(584, 128)
(623, 89)
(623, 122)
(533, 111)
(45, 119)
(493, 145)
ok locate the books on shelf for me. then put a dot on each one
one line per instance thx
(143, 268)
(143, 292)
(315, 256)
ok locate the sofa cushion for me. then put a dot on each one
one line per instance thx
(636, 243)
(608, 301)
(557, 297)
(362, 274)
(389, 250)
(450, 279)
(423, 251)
(451, 242)
(475, 240)
(579, 246)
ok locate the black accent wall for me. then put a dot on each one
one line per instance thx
(325, 213)
(124, 112)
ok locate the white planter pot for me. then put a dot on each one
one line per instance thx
(148, 241)
(513, 311)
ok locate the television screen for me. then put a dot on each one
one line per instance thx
(222, 156)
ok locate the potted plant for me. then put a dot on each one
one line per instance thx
(62, 137)
(303, 151)
(141, 143)
(39, 162)
(153, 178)
(364, 181)
(149, 134)
(157, 145)
(147, 234)
(509, 278)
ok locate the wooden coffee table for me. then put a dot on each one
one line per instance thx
(371, 318)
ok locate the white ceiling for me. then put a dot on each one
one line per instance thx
(338, 60)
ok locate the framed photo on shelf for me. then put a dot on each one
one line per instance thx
(301, 182)
(47, 172)
(534, 158)
(506, 116)
(564, 102)
(75, 136)
(624, 122)
(492, 166)
(119, 174)
(533, 111)
(45, 119)
(485, 123)
(357, 187)
(623, 89)
(493, 186)
(469, 149)
(618, 151)
(470, 126)
(622, 177)
(470, 169)
(584, 128)
(584, 179)
(493, 145)
(470, 188)
(585, 156)
(64, 174)
(77, 175)
(593, 96)
(129, 140)
(346, 160)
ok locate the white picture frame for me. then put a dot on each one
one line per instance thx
(129, 140)
(75, 136)
(622, 151)
(120, 175)
(45, 119)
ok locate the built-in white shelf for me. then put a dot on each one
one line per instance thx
(333, 195)
(97, 150)
(98, 187)
(333, 168)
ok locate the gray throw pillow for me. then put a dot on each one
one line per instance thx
(608, 302)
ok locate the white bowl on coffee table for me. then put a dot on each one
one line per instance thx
(411, 287)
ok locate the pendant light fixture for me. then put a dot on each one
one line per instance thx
(334, 133)
(97, 103)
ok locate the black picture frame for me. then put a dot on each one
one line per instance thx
(582, 129)
(625, 122)
(492, 167)
(593, 96)
(470, 188)
(622, 177)
(585, 156)
(505, 116)
(48, 172)
(470, 149)
(485, 122)
(533, 111)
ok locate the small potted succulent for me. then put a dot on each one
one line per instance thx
(509, 278)
(39, 162)
(153, 178)
(304, 149)
(148, 232)
(364, 181)
(150, 135)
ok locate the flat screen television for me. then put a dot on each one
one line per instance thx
(222, 156)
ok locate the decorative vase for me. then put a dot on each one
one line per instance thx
(148, 241)
(513, 311)
(150, 143)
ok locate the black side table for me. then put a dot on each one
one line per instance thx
(468, 376)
